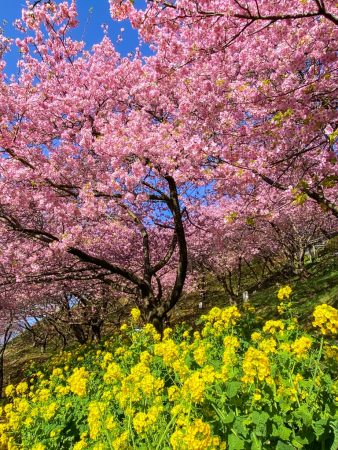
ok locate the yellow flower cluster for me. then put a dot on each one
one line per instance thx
(113, 373)
(284, 292)
(219, 320)
(39, 446)
(200, 354)
(80, 445)
(22, 388)
(256, 336)
(138, 384)
(331, 352)
(301, 346)
(256, 366)
(326, 319)
(135, 314)
(78, 381)
(196, 436)
(168, 350)
(268, 345)
(231, 344)
(138, 391)
(10, 390)
(96, 411)
(150, 330)
(144, 422)
(273, 326)
(193, 388)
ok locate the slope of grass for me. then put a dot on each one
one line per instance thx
(20, 355)
(321, 286)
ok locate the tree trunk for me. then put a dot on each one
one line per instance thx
(79, 333)
(299, 264)
(96, 329)
(157, 318)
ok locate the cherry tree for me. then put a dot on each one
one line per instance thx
(245, 241)
(108, 162)
(258, 80)
(90, 184)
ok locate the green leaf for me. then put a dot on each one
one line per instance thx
(319, 427)
(255, 443)
(232, 388)
(299, 442)
(228, 418)
(260, 419)
(235, 442)
(239, 426)
(282, 446)
(304, 415)
(333, 136)
(334, 445)
(282, 432)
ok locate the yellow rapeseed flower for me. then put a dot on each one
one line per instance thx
(256, 336)
(193, 388)
(22, 388)
(284, 292)
(150, 330)
(49, 411)
(168, 350)
(173, 393)
(96, 411)
(256, 366)
(113, 373)
(326, 319)
(80, 445)
(10, 390)
(268, 345)
(301, 346)
(196, 436)
(218, 320)
(121, 442)
(135, 314)
(39, 446)
(273, 326)
(143, 422)
(200, 354)
(331, 352)
(78, 381)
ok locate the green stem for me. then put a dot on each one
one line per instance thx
(173, 419)
(130, 429)
(317, 364)
(108, 439)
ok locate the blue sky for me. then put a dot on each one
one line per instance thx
(92, 14)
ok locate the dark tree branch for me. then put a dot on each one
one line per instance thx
(182, 267)
(157, 267)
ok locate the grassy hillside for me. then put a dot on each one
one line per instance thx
(321, 286)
